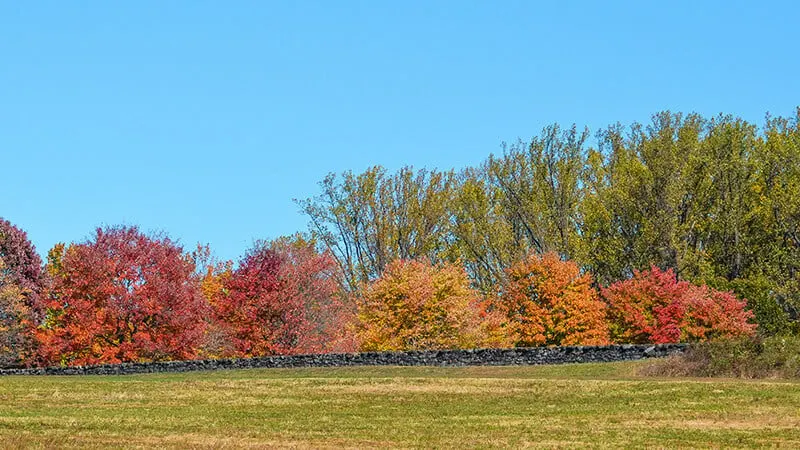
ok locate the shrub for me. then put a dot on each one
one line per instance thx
(764, 298)
(547, 301)
(749, 357)
(654, 306)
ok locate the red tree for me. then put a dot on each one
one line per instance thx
(327, 310)
(21, 308)
(654, 306)
(16, 343)
(282, 298)
(123, 296)
(23, 266)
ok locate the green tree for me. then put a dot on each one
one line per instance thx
(525, 200)
(370, 219)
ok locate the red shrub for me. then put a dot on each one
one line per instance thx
(654, 306)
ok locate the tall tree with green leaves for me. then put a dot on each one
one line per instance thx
(481, 237)
(713, 199)
(525, 200)
(774, 246)
(370, 219)
(642, 194)
(540, 185)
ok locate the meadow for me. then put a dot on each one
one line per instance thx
(581, 405)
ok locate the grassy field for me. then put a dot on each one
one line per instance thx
(594, 405)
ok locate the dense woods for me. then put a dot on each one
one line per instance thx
(682, 229)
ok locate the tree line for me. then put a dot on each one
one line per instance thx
(684, 229)
(715, 200)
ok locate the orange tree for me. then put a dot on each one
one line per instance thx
(416, 305)
(212, 275)
(547, 301)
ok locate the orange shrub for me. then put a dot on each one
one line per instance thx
(547, 301)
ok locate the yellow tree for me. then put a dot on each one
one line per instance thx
(416, 305)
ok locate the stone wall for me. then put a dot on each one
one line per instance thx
(478, 357)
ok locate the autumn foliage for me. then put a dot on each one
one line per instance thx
(282, 298)
(328, 313)
(22, 266)
(654, 306)
(547, 301)
(16, 341)
(416, 305)
(21, 282)
(122, 296)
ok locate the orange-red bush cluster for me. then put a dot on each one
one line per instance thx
(542, 301)
(654, 306)
(127, 296)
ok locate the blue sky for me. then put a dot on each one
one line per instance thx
(204, 119)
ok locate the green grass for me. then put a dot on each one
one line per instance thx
(591, 405)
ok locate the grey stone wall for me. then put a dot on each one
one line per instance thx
(478, 357)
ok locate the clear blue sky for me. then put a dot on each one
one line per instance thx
(204, 119)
